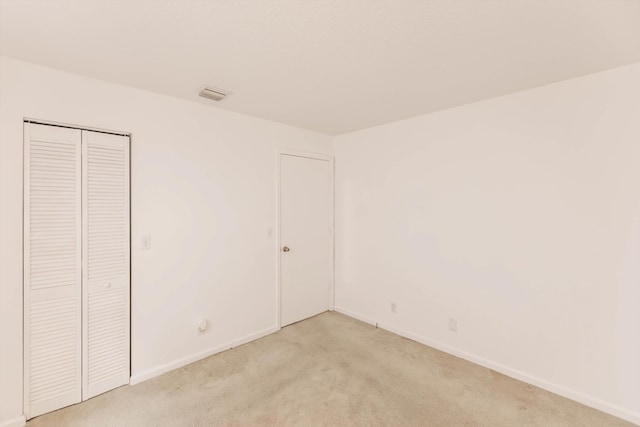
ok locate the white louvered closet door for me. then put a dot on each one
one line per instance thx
(76, 265)
(52, 268)
(106, 273)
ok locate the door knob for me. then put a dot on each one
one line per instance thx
(285, 249)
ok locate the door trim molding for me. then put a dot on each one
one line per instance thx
(309, 155)
(72, 126)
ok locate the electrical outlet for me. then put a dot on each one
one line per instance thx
(393, 307)
(453, 325)
(202, 326)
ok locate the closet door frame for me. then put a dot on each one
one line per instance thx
(26, 250)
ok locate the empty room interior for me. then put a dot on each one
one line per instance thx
(303, 213)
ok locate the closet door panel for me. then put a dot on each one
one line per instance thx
(52, 268)
(106, 262)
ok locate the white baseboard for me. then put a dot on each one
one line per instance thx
(14, 422)
(569, 393)
(152, 373)
(356, 315)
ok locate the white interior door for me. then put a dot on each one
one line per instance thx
(106, 261)
(52, 268)
(306, 237)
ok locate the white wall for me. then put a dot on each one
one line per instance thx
(519, 217)
(204, 188)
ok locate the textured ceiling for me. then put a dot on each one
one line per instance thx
(330, 66)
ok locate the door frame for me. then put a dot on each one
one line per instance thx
(278, 243)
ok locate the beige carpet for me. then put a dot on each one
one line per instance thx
(330, 370)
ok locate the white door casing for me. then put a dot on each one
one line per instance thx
(306, 236)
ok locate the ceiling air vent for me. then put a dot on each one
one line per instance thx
(214, 93)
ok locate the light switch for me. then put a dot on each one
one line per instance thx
(146, 242)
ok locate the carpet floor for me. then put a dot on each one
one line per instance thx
(330, 370)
